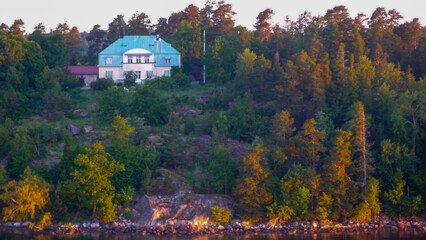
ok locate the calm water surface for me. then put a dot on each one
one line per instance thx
(322, 236)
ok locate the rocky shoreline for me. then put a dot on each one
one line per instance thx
(182, 228)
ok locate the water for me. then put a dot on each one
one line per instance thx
(379, 235)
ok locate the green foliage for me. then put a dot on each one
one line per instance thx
(101, 84)
(97, 188)
(113, 102)
(130, 79)
(147, 104)
(57, 103)
(220, 215)
(222, 171)
(162, 83)
(20, 155)
(172, 146)
(243, 121)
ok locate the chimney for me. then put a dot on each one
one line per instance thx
(121, 32)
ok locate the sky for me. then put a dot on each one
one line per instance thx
(86, 13)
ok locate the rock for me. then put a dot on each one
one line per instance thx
(17, 224)
(194, 83)
(154, 141)
(26, 224)
(72, 129)
(86, 225)
(94, 225)
(220, 227)
(401, 225)
(201, 99)
(81, 112)
(87, 129)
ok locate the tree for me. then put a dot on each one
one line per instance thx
(222, 19)
(244, 79)
(25, 198)
(222, 171)
(294, 194)
(115, 27)
(262, 25)
(147, 103)
(66, 165)
(251, 187)
(73, 43)
(94, 173)
(361, 157)
(369, 208)
(20, 155)
(139, 24)
(408, 116)
(308, 143)
(172, 146)
(97, 41)
(395, 194)
(335, 176)
(119, 137)
(16, 27)
(282, 129)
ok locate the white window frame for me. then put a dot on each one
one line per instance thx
(146, 59)
(138, 74)
(108, 60)
(138, 59)
(129, 59)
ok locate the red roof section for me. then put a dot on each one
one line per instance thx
(83, 70)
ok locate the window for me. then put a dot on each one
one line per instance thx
(167, 73)
(108, 60)
(108, 74)
(130, 59)
(167, 60)
(149, 74)
(146, 59)
(138, 74)
(125, 73)
(138, 59)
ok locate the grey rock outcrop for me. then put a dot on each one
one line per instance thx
(72, 129)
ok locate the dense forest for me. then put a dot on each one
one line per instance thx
(330, 109)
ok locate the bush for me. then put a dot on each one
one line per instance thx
(220, 215)
(162, 83)
(102, 84)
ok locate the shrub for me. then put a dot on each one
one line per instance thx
(102, 84)
(220, 215)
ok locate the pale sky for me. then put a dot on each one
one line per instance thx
(86, 13)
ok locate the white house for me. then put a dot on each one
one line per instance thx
(147, 56)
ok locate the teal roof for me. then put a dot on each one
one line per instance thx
(159, 48)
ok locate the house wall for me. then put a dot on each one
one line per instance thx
(159, 71)
(117, 72)
(144, 67)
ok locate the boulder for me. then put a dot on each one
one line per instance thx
(201, 99)
(87, 129)
(81, 112)
(72, 129)
(401, 225)
(94, 225)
